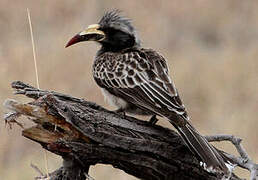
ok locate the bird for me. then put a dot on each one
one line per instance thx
(137, 81)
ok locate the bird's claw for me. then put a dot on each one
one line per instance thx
(120, 112)
(153, 120)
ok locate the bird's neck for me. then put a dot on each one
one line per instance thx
(109, 48)
(118, 43)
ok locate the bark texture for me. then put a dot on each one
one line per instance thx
(85, 134)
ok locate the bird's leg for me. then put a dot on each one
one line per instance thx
(120, 111)
(153, 120)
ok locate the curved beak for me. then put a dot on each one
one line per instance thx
(90, 34)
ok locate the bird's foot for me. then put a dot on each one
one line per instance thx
(153, 120)
(121, 112)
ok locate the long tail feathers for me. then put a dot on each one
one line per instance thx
(200, 146)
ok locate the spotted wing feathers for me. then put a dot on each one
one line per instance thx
(141, 77)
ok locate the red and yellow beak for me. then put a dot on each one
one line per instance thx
(92, 33)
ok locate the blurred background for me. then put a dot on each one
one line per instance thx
(211, 48)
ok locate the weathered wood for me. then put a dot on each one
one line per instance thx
(85, 134)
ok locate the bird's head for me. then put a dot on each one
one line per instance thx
(114, 32)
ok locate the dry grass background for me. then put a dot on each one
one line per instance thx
(211, 47)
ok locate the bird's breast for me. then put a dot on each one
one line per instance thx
(114, 100)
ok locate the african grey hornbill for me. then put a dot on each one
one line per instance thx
(137, 81)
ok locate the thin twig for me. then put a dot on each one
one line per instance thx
(244, 160)
(37, 76)
(33, 48)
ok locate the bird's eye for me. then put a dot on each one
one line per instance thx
(109, 31)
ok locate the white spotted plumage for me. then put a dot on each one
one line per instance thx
(119, 73)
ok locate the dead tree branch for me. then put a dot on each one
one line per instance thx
(244, 160)
(86, 134)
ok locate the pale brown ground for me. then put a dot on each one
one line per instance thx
(211, 48)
